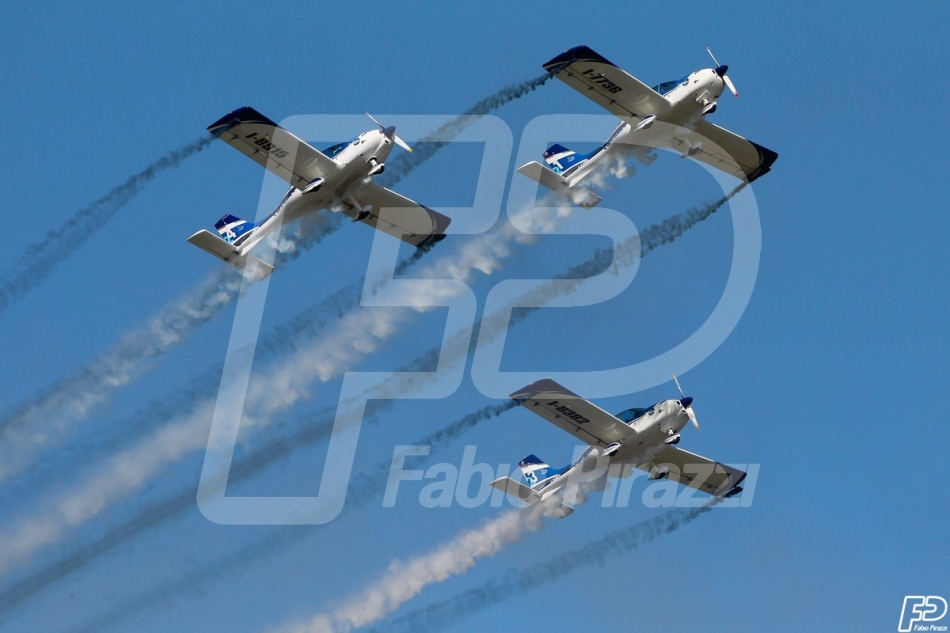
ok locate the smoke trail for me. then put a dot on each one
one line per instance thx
(404, 580)
(635, 248)
(427, 146)
(665, 236)
(458, 346)
(343, 346)
(517, 582)
(39, 259)
(313, 429)
(650, 239)
(48, 416)
(72, 398)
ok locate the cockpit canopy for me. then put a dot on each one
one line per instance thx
(667, 86)
(333, 150)
(632, 414)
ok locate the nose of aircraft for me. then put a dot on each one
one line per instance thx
(390, 131)
(722, 70)
(686, 402)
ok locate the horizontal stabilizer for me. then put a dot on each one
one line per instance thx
(515, 489)
(520, 491)
(578, 195)
(211, 243)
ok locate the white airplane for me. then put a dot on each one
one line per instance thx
(682, 103)
(643, 438)
(338, 179)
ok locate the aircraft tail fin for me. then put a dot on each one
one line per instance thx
(231, 228)
(534, 470)
(560, 158)
(224, 250)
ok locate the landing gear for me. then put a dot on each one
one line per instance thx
(708, 107)
(672, 437)
(376, 167)
(611, 449)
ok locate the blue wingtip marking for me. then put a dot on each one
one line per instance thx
(576, 54)
(247, 114)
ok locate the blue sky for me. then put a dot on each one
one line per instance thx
(832, 380)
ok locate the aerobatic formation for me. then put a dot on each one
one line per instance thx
(340, 179)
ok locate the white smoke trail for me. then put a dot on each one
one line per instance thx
(343, 345)
(315, 428)
(48, 415)
(517, 582)
(405, 579)
(356, 335)
(39, 423)
(650, 239)
(40, 259)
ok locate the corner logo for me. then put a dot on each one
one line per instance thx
(922, 609)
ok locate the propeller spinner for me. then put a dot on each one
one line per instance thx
(721, 71)
(687, 403)
(390, 133)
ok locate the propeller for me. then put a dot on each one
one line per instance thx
(687, 403)
(721, 71)
(390, 133)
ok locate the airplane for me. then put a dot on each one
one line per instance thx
(682, 104)
(644, 438)
(338, 179)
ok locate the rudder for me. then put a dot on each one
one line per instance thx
(533, 469)
(231, 228)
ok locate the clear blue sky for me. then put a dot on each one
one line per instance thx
(833, 380)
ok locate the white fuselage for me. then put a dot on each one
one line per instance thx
(687, 100)
(354, 163)
(651, 430)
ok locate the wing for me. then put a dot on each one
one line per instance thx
(603, 82)
(697, 471)
(564, 408)
(398, 215)
(272, 147)
(734, 155)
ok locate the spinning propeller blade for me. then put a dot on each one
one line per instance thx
(721, 71)
(391, 133)
(687, 402)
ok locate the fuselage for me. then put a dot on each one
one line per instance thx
(354, 159)
(687, 98)
(651, 428)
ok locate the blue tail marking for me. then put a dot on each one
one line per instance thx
(561, 159)
(535, 471)
(231, 227)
